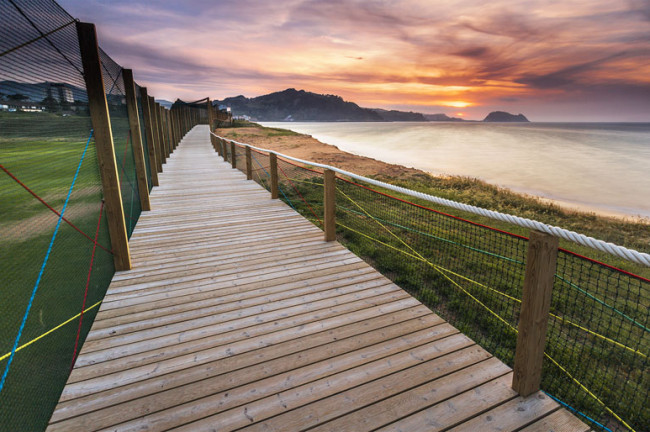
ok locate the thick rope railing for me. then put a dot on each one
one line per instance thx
(581, 239)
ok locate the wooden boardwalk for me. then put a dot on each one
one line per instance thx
(237, 315)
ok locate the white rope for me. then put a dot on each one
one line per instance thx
(581, 239)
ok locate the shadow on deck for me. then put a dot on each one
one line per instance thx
(237, 315)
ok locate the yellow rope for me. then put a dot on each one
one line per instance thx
(441, 269)
(50, 331)
(589, 392)
(419, 257)
(591, 332)
(435, 268)
(505, 322)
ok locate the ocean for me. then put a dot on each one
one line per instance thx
(601, 167)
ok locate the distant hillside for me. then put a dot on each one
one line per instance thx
(394, 115)
(165, 103)
(441, 117)
(502, 116)
(298, 105)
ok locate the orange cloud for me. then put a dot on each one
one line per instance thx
(425, 55)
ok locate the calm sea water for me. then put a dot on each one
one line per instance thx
(596, 166)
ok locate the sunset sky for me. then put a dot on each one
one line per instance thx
(566, 60)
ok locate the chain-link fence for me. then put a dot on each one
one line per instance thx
(598, 339)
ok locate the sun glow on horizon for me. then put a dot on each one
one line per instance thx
(456, 104)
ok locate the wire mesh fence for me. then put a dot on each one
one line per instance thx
(54, 246)
(598, 340)
(261, 169)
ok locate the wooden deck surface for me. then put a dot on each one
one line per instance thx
(237, 315)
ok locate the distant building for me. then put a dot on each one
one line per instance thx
(25, 106)
(60, 92)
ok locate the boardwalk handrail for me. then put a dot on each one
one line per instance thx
(500, 289)
(581, 239)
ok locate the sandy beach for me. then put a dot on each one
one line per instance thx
(308, 148)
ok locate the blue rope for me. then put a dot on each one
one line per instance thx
(40, 274)
(570, 408)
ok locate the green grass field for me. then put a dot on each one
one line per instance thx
(43, 151)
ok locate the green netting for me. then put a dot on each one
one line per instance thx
(261, 169)
(599, 342)
(45, 137)
(122, 141)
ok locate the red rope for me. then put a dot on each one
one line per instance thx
(90, 269)
(435, 211)
(497, 230)
(303, 198)
(52, 209)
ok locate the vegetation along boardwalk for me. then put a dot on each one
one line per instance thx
(238, 315)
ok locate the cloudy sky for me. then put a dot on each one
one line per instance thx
(553, 60)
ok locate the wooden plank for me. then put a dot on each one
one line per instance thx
(243, 368)
(274, 396)
(112, 374)
(444, 371)
(511, 415)
(559, 421)
(457, 409)
(432, 391)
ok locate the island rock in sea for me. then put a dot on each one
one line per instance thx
(502, 116)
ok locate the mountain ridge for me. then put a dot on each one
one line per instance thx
(301, 105)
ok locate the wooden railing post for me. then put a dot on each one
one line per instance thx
(136, 139)
(213, 139)
(329, 202)
(163, 130)
(161, 134)
(217, 145)
(160, 157)
(249, 164)
(149, 132)
(535, 306)
(233, 155)
(104, 144)
(172, 123)
(224, 150)
(170, 131)
(273, 161)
